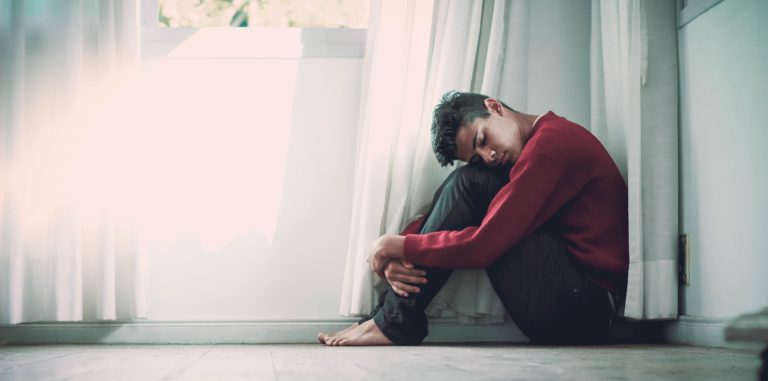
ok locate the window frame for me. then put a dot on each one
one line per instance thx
(688, 10)
(255, 42)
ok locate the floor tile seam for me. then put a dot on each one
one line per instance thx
(38, 361)
(193, 362)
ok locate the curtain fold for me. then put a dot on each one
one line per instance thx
(483, 46)
(68, 250)
(393, 76)
(417, 51)
(497, 41)
(634, 113)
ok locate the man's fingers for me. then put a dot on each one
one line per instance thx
(404, 287)
(397, 268)
(408, 278)
(413, 272)
(402, 271)
(378, 266)
(400, 292)
(401, 278)
(413, 279)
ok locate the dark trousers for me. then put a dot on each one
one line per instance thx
(538, 282)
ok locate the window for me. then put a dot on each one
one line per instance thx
(264, 13)
(690, 9)
(263, 28)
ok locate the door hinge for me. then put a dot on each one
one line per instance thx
(684, 260)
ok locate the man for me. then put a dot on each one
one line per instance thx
(551, 230)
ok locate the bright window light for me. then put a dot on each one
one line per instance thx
(264, 13)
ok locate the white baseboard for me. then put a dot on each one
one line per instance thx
(703, 331)
(226, 332)
(688, 330)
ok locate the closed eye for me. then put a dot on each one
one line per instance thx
(479, 141)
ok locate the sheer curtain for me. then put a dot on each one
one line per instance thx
(483, 46)
(394, 73)
(68, 246)
(634, 113)
(418, 50)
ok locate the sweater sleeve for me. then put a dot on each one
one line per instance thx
(414, 226)
(537, 189)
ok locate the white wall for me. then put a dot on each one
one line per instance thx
(558, 60)
(218, 269)
(260, 186)
(239, 273)
(302, 119)
(724, 158)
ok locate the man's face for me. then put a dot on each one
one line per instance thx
(495, 140)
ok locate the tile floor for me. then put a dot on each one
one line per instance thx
(428, 362)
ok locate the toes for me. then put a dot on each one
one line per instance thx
(342, 337)
(343, 341)
(321, 337)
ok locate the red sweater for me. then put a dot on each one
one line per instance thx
(564, 177)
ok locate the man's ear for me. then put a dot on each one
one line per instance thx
(493, 106)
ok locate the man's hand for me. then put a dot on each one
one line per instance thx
(385, 248)
(402, 276)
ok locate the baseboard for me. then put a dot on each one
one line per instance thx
(688, 330)
(227, 332)
(703, 331)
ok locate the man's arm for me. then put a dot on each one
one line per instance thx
(403, 277)
(390, 265)
(385, 248)
(538, 188)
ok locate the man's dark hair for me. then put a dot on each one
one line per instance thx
(456, 109)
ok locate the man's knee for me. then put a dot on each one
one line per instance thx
(475, 177)
(466, 178)
(463, 198)
(479, 183)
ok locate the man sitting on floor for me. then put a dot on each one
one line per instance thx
(541, 206)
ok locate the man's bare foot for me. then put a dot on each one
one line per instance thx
(323, 337)
(335, 338)
(367, 333)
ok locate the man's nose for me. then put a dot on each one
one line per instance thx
(490, 157)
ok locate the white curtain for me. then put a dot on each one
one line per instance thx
(418, 50)
(68, 247)
(634, 113)
(483, 46)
